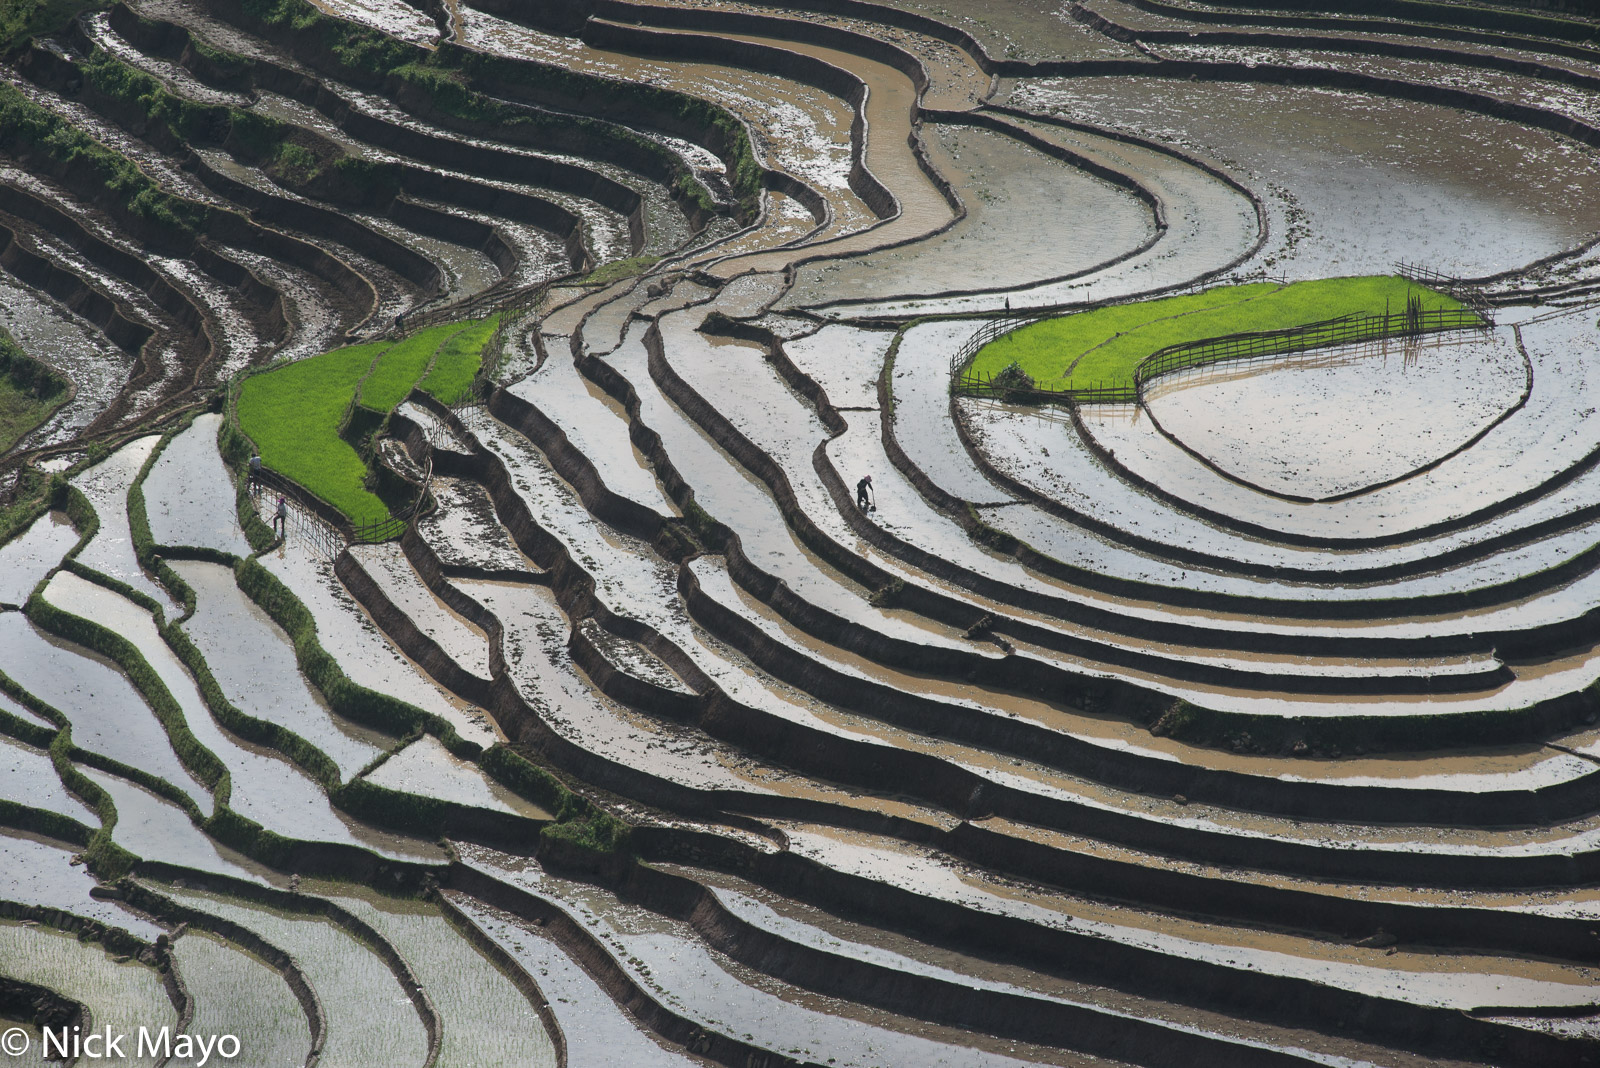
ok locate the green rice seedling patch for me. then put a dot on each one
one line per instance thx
(123, 997)
(459, 360)
(293, 415)
(370, 1019)
(401, 365)
(485, 1018)
(1104, 346)
(237, 994)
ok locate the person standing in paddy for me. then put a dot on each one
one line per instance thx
(280, 518)
(863, 488)
(255, 472)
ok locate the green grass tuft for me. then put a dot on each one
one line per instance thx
(1103, 347)
(294, 413)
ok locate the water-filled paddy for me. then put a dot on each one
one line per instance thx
(188, 495)
(255, 665)
(239, 994)
(107, 714)
(1369, 180)
(1340, 420)
(27, 558)
(1093, 665)
(120, 996)
(370, 1018)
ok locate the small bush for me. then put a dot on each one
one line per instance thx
(1013, 377)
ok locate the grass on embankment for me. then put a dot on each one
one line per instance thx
(617, 270)
(1102, 347)
(30, 392)
(21, 19)
(294, 413)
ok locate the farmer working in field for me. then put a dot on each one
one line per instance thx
(280, 518)
(255, 472)
(862, 489)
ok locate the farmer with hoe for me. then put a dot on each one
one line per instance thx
(863, 490)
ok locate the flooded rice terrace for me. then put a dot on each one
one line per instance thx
(660, 632)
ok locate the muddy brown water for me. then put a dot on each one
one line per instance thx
(465, 531)
(668, 958)
(808, 925)
(1029, 217)
(1369, 180)
(595, 424)
(1420, 978)
(394, 575)
(363, 651)
(889, 107)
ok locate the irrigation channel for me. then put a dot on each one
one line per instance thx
(1240, 706)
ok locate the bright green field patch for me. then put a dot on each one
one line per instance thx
(293, 416)
(459, 360)
(1102, 347)
(399, 368)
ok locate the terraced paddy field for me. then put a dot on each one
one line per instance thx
(1208, 674)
